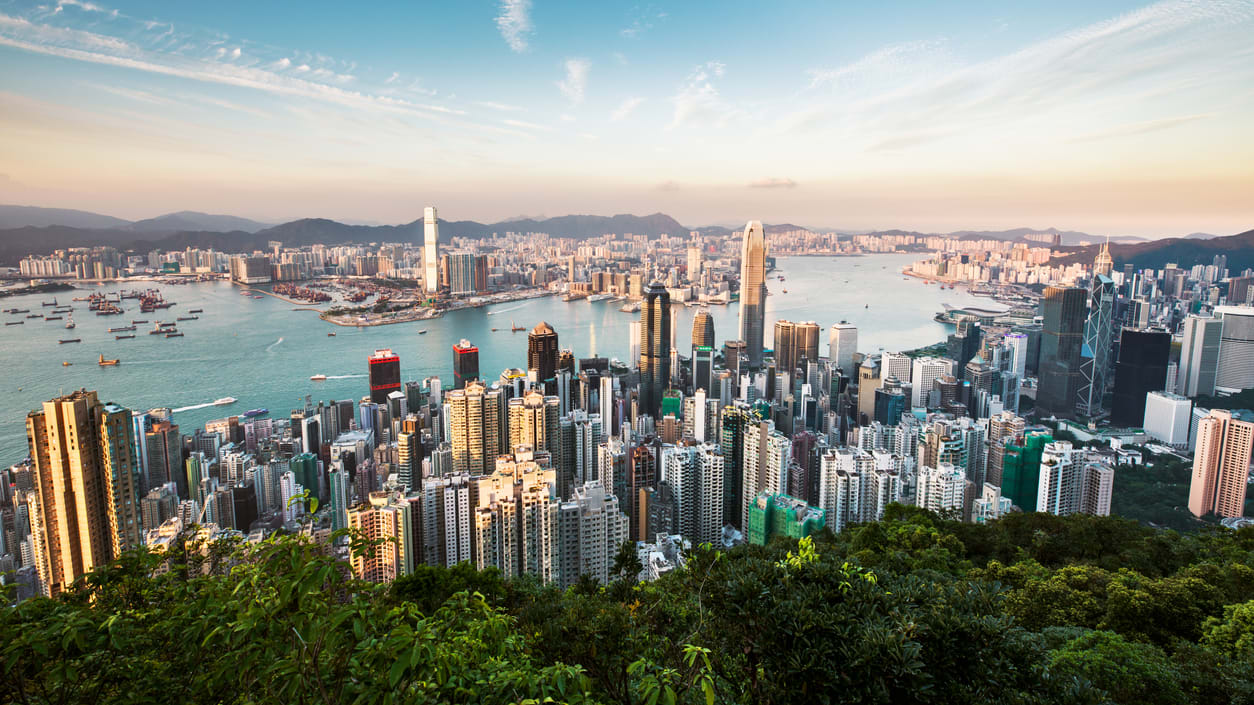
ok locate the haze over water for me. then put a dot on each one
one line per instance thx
(263, 352)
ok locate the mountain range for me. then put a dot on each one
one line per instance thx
(26, 230)
(1185, 252)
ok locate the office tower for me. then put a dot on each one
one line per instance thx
(1168, 417)
(805, 343)
(735, 423)
(964, 343)
(695, 472)
(843, 343)
(1018, 343)
(409, 460)
(163, 448)
(765, 459)
(86, 487)
(387, 526)
(897, 365)
(694, 265)
(385, 375)
(1235, 369)
(924, 373)
(890, 403)
(445, 521)
(868, 385)
(703, 369)
(655, 336)
(307, 473)
(591, 527)
(475, 427)
(1221, 464)
(1071, 483)
(159, 504)
(542, 352)
(514, 519)
(642, 475)
(1142, 368)
(753, 292)
(1002, 428)
(784, 347)
(1062, 338)
(941, 488)
(244, 505)
(430, 254)
(1139, 313)
(703, 328)
(1199, 356)
(1021, 468)
(1099, 330)
(465, 363)
(772, 515)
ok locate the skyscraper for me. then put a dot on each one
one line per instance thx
(753, 291)
(476, 417)
(1098, 333)
(784, 346)
(655, 336)
(542, 352)
(388, 527)
(385, 375)
(1061, 342)
(703, 329)
(1142, 368)
(1235, 368)
(1221, 464)
(1199, 355)
(465, 363)
(87, 478)
(843, 343)
(591, 527)
(430, 255)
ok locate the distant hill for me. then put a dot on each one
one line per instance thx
(32, 216)
(1183, 251)
(193, 221)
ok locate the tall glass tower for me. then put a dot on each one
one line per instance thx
(753, 290)
(655, 341)
(430, 257)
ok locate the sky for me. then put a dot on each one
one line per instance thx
(1113, 118)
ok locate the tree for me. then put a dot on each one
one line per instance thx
(1128, 672)
(1232, 634)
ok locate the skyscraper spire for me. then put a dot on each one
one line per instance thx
(753, 290)
(1104, 264)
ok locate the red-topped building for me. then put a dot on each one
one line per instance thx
(385, 375)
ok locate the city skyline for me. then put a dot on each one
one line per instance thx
(1104, 118)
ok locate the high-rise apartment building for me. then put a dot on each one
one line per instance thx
(476, 429)
(590, 527)
(445, 507)
(430, 253)
(385, 375)
(1199, 355)
(1072, 483)
(694, 472)
(387, 525)
(1221, 464)
(753, 292)
(86, 500)
(465, 363)
(766, 455)
(772, 515)
(941, 488)
(514, 513)
(655, 337)
(1003, 428)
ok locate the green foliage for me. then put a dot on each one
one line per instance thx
(1232, 634)
(428, 587)
(1129, 673)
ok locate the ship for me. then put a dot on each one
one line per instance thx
(52, 318)
(225, 401)
(123, 329)
(318, 378)
(36, 315)
(188, 318)
(70, 340)
(14, 323)
(599, 297)
(255, 412)
(137, 322)
(330, 335)
(514, 327)
(197, 310)
(48, 303)
(174, 335)
(421, 332)
(158, 329)
(107, 363)
(123, 337)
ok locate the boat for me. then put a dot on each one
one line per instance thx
(421, 332)
(599, 297)
(255, 412)
(52, 318)
(330, 335)
(128, 336)
(36, 315)
(174, 335)
(785, 291)
(71, 340)
(495, 330)
(19, 310)
(188, 318)
(137, 322)
(14, 323)
(318, 378)
(107, 363)
(65, 363)
(48, 303)
(123, 329)
(257, 297)
(70, 323)
(514, 327)
(197, 310)
(225, 401)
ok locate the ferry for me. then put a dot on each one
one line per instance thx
(197, 310)
(123, 337)
(14, 323)
(318, 378)
(174, 335)
(70, 340)
(599, 297)
(255, 412)
(108, 363)
(225, 401)
(123, 329)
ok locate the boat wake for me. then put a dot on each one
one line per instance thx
(191, 408)
(505, 310)
(272, 346)
(344, 376)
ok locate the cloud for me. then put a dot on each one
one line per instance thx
(619, 58)
(526, 125)
(576, 80)
(284, 63)
(773, 183)
(514, 23)
(697, 98)
(1139, 128)
(626, 108)
(82, 5)
(503, 107)
(668, 186)
(392, 79)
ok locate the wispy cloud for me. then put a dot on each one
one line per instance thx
(503, 107)
(576, 80)
(668, 186)
(625, 109)
(698, 99)
(773, 182)
(1139, 128)
(82, 5)
(514, 23)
